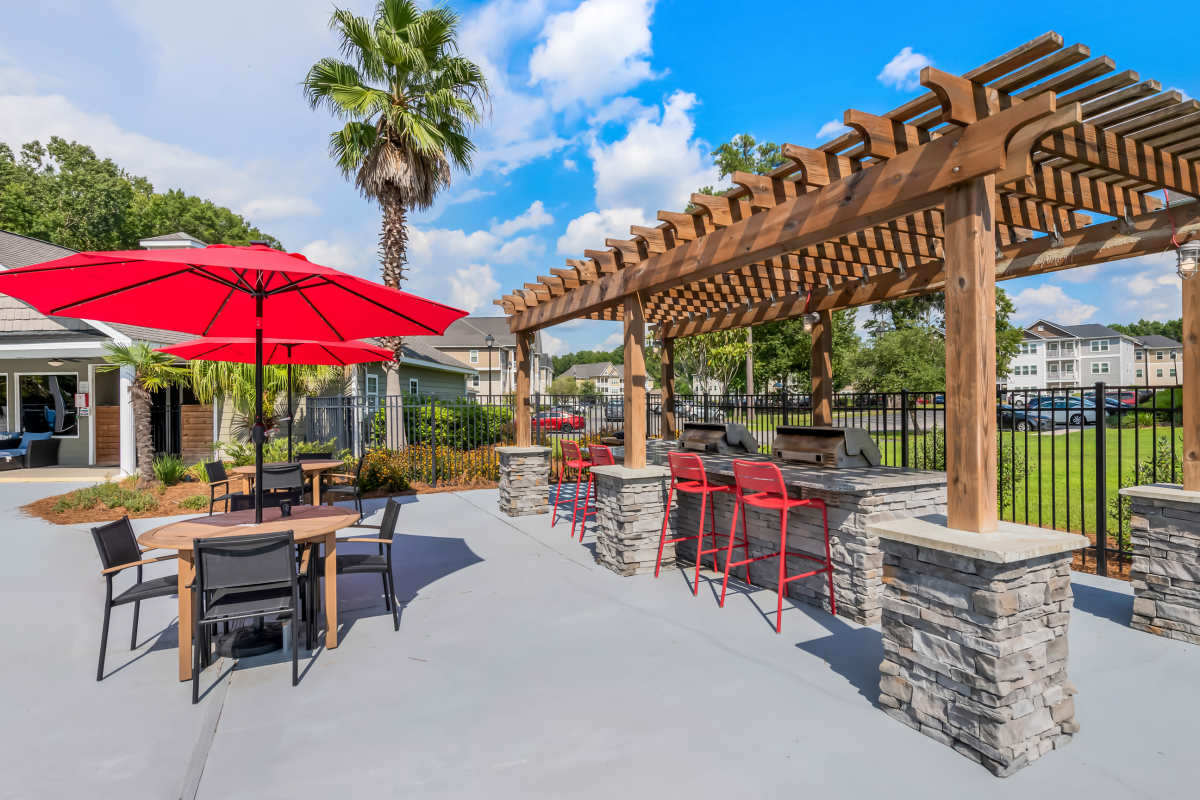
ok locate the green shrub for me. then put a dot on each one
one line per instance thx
(242, 453)
(194, 502)
(107, 495)
(462, 425)
(383, 469)
(1154, 466)
(169, 469)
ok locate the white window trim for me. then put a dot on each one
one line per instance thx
(474, 357)
(414, 386)
(17, 383)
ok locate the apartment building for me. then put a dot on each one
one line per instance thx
(609, 378)
(495, 366)
(1053, 356)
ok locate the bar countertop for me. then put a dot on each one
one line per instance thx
(845, 479)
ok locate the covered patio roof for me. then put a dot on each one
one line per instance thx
(1080, 152)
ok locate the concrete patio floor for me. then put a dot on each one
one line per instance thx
(523, 670)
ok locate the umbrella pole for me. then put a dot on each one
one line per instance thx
(260, 432)
(289, 396)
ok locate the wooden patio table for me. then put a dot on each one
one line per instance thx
(312, 524)
(312, 469)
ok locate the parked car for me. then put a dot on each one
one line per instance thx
(558, 421)
(1111, 401)
(1070, 410)
(1020, 419)
(614, 410)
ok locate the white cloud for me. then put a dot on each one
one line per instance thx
(524, 249)
(657, 164)
(612, 340)
(904, 70)
(570, 165)
(1049, 301)
(552, 345)
(616, 110)
(248, 188)
(588, 232)
(468, 196)
(473, 287)
(532, 218)
(600, 48)
(831, 129)
(339, 255)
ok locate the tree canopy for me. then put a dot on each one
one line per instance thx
(567, 360)
(1171, 328)
(65, 194)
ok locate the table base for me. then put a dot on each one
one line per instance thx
(250, 641)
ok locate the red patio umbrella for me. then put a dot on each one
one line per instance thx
(222, 290)
(276, 351)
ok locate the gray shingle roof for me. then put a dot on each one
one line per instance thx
(1090, 331)
(177, 236)
(419, 349)
(1154, 340)
(589, 371)
(472, 331)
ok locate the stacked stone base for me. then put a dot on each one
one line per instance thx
(975, 652)
(629, 516)
(1166, 565)
(857, 559)
(524, 480)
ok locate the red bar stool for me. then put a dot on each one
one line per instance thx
(572, 460)
(688, 476)
(601, 456)
(764, 482)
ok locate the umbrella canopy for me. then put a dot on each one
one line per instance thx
(279, 351)
(274, 351)
(223, 290)
(213, 291)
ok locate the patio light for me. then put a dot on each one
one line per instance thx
(1189, 259)
(810, 320)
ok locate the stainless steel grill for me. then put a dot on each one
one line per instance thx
(717, 437)
(825, 447)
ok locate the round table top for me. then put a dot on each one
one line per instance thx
(308, 466)
(306, 522)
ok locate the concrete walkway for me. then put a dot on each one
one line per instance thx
(522, 670)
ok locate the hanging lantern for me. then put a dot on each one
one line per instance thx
(1189, 259)
(810, 320)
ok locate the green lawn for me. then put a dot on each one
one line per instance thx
(1058, 488)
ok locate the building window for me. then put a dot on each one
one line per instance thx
(4, 403)
(1033, 369)
(1100, 368)
(1137, 355)
(475, 379)
(1172, 373)
(1100, 345)
(48, 403)
(413, 386)
(1158, 354)
(1139, 373)
(474, 356)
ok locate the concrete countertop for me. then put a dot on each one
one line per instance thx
(847, 479)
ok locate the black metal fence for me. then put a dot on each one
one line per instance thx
(1062, 455)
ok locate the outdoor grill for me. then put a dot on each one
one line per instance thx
(717, 437)
(825, 447)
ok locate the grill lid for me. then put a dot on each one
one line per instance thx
(825, 446)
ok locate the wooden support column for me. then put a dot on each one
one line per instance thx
(1191, 383)
(971, 356)
(521, 409)
(635, 382)
(821, 369)
(669, 431)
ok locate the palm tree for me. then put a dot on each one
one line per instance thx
(152, 371)
(408, 99)
(235, 381)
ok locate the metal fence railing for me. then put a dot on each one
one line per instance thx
(1062, 456)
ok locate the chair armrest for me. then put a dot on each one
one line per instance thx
(338, 475)
(366, 539)
(212, 485)
(120, 567)
(305, 558)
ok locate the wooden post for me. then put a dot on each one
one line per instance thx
(669, 430)
(970, 255)
(821, 369)
(635, 382)
(1190, 395)
(521, 409)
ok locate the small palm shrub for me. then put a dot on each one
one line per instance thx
(169, 469)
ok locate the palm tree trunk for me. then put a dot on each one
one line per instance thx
(393, 254)
(143, 437)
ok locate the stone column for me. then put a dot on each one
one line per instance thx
(657, 449)
(975, 638)
(1165, 523)
(629, 517)
(524, 480)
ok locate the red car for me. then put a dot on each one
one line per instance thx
(558, 421)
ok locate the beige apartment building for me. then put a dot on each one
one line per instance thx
(608, 378)
(1158, 361)
(495, 361)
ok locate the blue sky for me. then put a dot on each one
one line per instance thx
(603, 112)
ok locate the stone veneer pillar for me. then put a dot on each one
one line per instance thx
(524, 480)
(975, 638)
(1165, 534)
(629, 516)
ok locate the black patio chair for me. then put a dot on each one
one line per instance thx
(381, 562)
(244, 577)
(119, 551)
(245, 502)
(214, 471)
(346, 491)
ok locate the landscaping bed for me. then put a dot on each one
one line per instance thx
(113, 499)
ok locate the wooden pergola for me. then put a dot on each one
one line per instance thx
(1042, 159)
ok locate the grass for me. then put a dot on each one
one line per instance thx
(1058, 487)
(108, 495)
(195, 502)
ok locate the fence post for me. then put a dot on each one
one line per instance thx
(434, 444)
(785, 406)
(1101, 483)
(904, 427)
